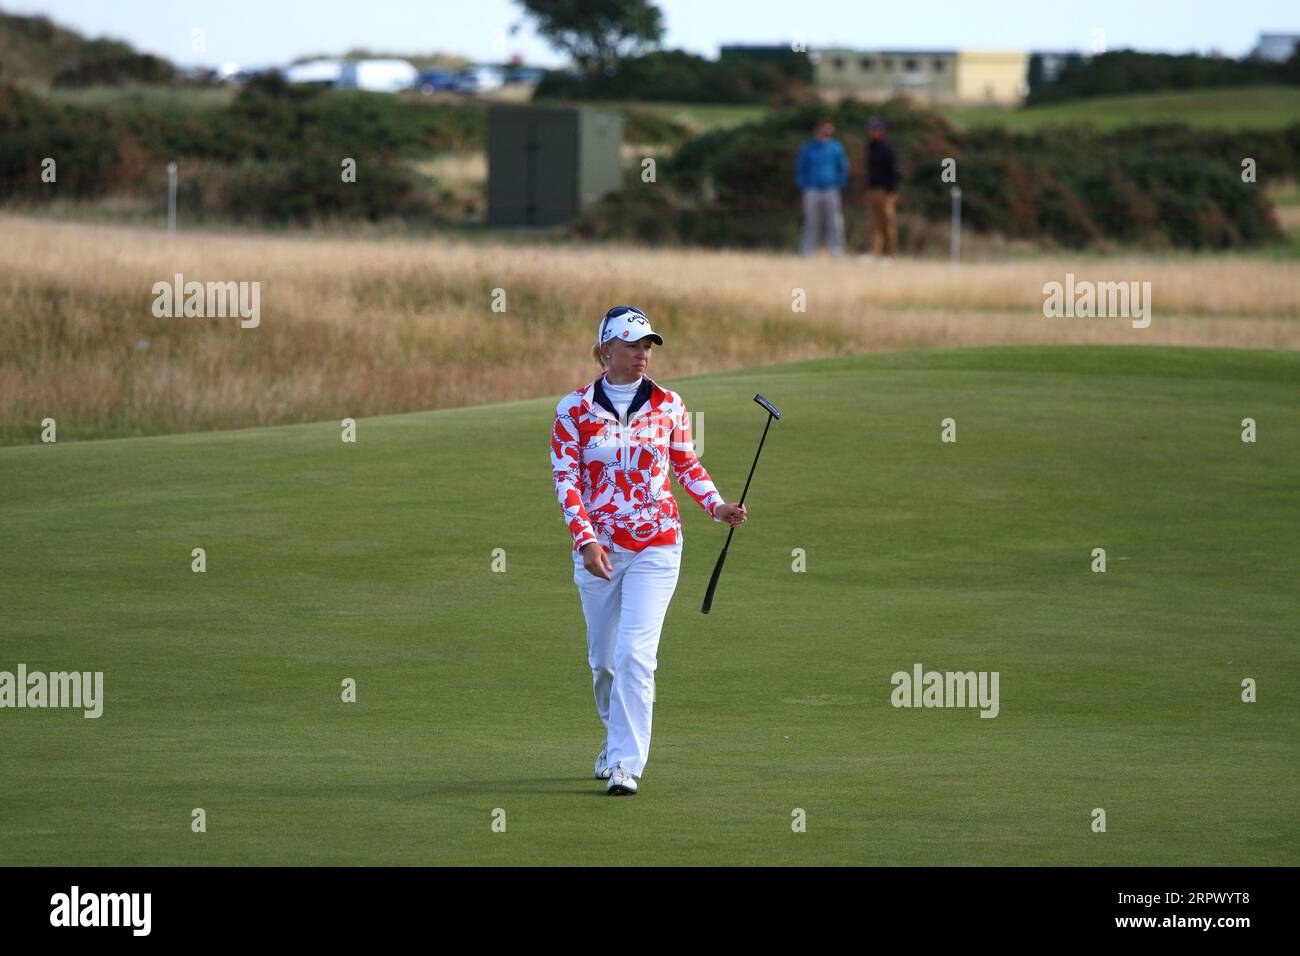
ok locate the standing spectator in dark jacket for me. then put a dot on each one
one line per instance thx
(882, 190)
(820, 172)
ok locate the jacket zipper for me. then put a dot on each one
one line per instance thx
(626, 462)
(627, 442)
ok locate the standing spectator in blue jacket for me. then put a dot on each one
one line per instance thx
(821, 171)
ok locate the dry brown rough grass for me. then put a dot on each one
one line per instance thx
(358, 327)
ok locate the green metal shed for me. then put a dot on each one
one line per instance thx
(546, 163)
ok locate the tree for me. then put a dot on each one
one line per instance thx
(597, 33)
(1037, 77)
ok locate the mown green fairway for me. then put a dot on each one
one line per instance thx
(374, 561)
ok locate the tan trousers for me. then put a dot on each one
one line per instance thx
(884, 223)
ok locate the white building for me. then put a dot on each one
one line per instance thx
(934, 75)
(1278, 47)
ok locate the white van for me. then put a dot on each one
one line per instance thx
(379, 76)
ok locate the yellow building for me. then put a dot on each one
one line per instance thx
(931, 75)
(992, 77)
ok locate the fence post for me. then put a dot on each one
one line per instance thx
(171, 196)
(955, 242)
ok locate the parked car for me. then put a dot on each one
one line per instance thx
(379, 76)
(441, 81)
(526, 75)
(480, 79)
(320, 72)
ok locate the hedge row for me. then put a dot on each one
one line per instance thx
(1127, 71)
(273, 155)
(1159, 186)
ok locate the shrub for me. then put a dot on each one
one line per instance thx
(1162, 186)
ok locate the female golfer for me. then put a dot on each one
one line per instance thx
(612, 445)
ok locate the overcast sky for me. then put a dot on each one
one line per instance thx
(268, 32)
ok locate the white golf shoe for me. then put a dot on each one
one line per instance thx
(621, 783)
(602, 764)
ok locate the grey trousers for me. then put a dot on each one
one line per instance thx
(821, 209)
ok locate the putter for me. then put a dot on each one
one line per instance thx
(772, 412)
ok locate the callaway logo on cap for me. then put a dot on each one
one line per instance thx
(627, 323)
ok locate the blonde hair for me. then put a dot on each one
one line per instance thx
(596, 354)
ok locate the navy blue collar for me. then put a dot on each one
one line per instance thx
(640, 398)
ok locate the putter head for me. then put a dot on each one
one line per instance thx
(768, 405)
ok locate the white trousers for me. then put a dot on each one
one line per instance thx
(624, 616)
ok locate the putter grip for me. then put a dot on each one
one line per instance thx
(713, 582)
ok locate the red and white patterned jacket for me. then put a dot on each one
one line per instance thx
(612, 479)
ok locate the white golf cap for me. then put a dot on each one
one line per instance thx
(626, 323)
